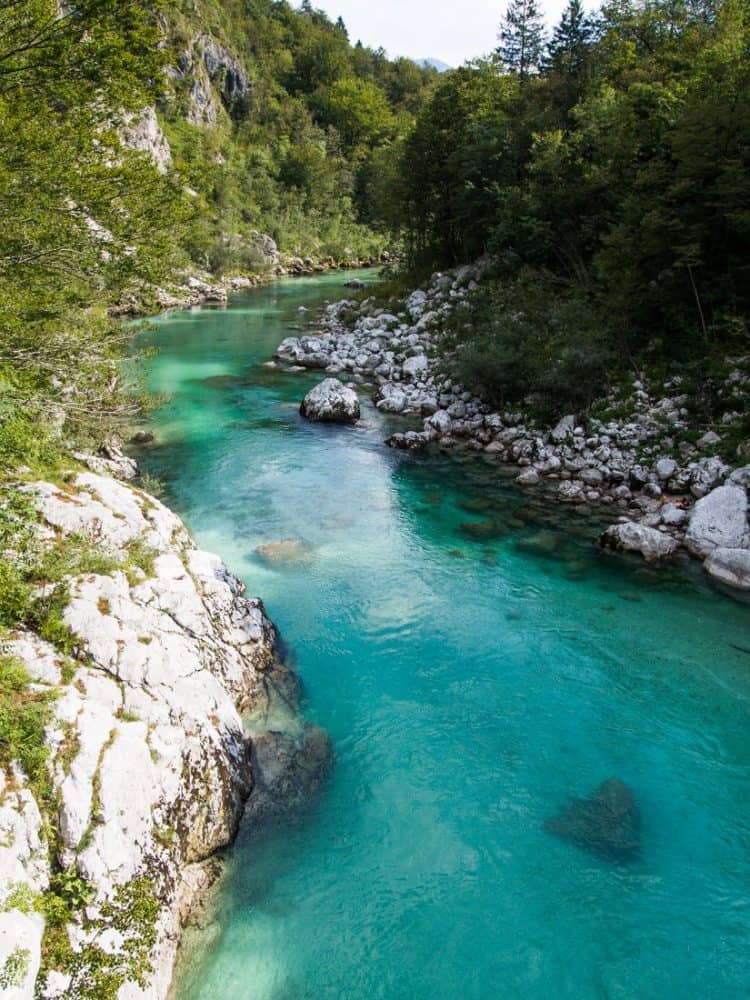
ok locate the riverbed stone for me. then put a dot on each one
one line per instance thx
(529, 477)
(666, 468)
(331, 402)
(416, 366)
(607, 823)
(391, 399)
(706, 475)
(673, 515)
(289, 768)
(287, 552)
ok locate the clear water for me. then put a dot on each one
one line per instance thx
(476, 662)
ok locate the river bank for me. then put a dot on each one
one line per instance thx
(172, 715)
(194, 288)
(645, 457)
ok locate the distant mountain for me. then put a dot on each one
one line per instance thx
(437, 64)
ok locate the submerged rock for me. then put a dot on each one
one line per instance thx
(288, 769)
(607, 823)
(331, 402)
(289, 551)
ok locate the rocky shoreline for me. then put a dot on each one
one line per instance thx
(667, 493)
(194, 288)
(174, 716)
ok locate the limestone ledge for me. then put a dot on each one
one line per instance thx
(152, 763)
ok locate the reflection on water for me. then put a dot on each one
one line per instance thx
(478, 663)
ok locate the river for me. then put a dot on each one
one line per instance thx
(477, 662)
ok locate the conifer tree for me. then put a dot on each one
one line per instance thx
(568, 48)
(522, 37)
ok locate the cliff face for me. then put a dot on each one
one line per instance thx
(151, 763)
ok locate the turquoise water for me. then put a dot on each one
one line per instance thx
(476, 662)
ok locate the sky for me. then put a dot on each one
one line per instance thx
(451, 30)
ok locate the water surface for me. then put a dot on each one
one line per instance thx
(476, 662)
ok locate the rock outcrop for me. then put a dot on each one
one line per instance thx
(175, 675)
(208, 69)
(143, 132)
(331, 402)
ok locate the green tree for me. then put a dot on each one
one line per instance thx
(569, 48)
(82, 216)
(360, 112)
(522, 37)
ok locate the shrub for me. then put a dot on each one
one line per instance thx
(24, 714)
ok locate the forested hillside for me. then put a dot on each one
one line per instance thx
(607, 170)
(279, 124)
(140, 140)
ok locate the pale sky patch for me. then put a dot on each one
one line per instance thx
(451, 30)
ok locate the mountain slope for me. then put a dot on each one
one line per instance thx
(277, 124)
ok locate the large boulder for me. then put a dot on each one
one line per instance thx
(730, 567)
(719, 521)
(632, 537)
(441, 422)
(607, 823)
(331, 402)
(266, 246)
(416, 303)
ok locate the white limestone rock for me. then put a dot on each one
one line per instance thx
(143, 133)
(564, 429)
(653, 545)
(331, 402)
(416, 366)
(392, 399)
(719, 520)
(24, 874)
(730, 567)
(151, 761)
(673, 516)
